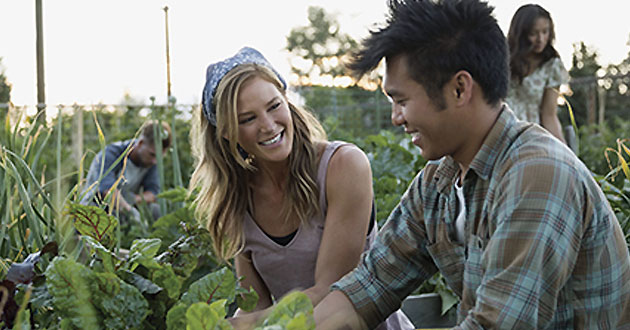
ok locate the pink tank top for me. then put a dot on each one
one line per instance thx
(284, 268)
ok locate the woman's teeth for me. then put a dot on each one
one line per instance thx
(272, 140)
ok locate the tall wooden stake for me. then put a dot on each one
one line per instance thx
(168, 58)
(39, 49)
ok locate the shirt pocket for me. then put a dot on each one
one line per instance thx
(449, 259)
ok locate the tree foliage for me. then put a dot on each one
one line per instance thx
(5, 87)
(584, 61)
(321, 46)
(617, 87)
(583, 71)
(594, 86)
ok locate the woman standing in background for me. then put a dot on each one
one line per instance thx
(536, 69)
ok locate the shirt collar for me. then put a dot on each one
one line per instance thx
(498, 139)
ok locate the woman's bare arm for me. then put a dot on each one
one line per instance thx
(549, 115)
(349, 196)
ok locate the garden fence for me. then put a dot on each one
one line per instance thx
(361, 112)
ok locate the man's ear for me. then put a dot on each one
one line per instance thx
(461, 86)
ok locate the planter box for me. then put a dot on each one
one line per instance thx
(425, 310)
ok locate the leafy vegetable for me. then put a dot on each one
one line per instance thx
(293, 311)
(94, 222)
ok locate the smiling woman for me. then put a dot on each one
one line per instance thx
(536, 69)
(294, 210)
(265, 128)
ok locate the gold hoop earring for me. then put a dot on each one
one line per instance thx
(250, 159)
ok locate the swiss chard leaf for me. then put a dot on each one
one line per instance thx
(106, 256)
(203, 316)
(294, 310)
(176, 317)
(246, 299)
(94, 222)
(185, 252)
(121, 304)
(142, 252)
(166, 278)
(67, 283)
(217, 285)
(168, 227)
(141, 283)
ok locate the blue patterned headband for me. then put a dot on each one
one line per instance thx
(217, 71)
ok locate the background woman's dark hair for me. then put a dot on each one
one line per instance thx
(440, 38)
(518, 41)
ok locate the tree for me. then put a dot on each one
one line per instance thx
(596, 87)
(5, 87)
(617, 89)
(583, 83)
(319, 48)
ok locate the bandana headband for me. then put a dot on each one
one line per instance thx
(217, 71)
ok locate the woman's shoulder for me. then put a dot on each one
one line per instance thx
(556, 72)
(346, 157)
(340, 156)
(335, 147)
(340, 149)
(554, 62)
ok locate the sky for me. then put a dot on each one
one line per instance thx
(97, 51)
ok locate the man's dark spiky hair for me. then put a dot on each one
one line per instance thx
(440, 38)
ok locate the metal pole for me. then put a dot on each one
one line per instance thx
(168, 57)
(41, 94)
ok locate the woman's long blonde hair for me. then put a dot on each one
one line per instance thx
(223, 175)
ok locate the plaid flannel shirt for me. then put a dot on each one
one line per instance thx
(543, 248)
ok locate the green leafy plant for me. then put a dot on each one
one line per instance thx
(104, 290)
(595, 139)
(147, 287)
(395, 161)
(616, 185)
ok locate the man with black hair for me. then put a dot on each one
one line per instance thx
(140, 181)
(509, 216)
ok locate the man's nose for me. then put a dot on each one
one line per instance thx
(397, 116)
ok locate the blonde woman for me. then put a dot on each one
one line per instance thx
(294, 210)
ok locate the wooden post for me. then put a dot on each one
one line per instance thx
(168, 57)
(602, 103)
(39, 49)
(590, 104)
(77, 142)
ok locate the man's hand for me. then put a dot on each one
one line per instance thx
(146, 196)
